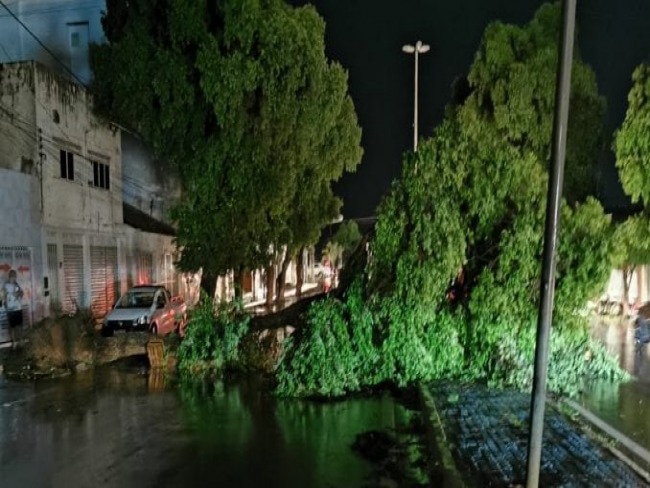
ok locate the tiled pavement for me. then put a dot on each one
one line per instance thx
(486, 432)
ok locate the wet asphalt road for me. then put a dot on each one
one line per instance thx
(126, 429)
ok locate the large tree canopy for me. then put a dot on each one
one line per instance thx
(469, 208)
(240, 96)
(511, 86)
(632, 142)
(632, 148)
(477, 199)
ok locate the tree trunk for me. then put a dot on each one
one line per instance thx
(282, 277)
(299, 272)
(238, 280)
(209, 284)
(270, 284)
(627, 281)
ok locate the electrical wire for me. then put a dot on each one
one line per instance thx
(124, 189)
(46, 11)
(47, 49)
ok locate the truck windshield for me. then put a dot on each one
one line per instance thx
(136, 299)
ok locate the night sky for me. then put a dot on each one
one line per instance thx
(366, 36)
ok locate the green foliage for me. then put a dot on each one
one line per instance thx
(241, 98)
(632, 241)
(473, 199)
(333, 251)
(573, 358)
(347, 237)
(323, 363)
(512, 87)
(632, 148)
(632, 143)
(212, 338)
(350, 344)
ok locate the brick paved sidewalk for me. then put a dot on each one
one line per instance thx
(486, 433)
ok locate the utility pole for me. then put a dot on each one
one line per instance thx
(418, 49)
(554, 197)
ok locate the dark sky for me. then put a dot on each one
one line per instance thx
(366, 37)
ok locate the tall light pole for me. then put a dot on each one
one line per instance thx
(545, 315)
(418, 49)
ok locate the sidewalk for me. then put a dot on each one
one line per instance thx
(484, 436)
(259, 307)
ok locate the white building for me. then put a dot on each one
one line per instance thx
(64, 27)
(57, 33)
(72, 217)
(65, 223)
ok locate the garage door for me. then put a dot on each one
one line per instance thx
(73, 278)
(103, 279)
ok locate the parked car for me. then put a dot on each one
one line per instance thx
(149, 308)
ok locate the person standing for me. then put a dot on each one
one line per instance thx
(13, 295)
(327, 274)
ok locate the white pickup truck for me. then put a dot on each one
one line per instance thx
(150, 308)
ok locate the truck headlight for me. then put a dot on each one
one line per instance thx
(142, 320)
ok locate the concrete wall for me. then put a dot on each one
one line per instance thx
(20, 231)
(42, 114)
(18, 129)
(66, 121)
(639, 285)
(146, 184)
(149, 185)
(66, 27)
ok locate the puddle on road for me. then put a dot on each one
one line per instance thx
(123, 428)
(625, 406)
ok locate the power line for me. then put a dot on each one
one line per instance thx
(86, 6)
(47, 49)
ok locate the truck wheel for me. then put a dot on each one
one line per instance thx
(154, 329)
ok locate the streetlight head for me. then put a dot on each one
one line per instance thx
(407, 48)
(423, 48)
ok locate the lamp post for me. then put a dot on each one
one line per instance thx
(418, 49)
(545, 315)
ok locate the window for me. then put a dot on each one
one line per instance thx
(101, 175)
(66, 162)
(74, 39)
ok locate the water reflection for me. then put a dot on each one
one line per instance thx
(625, 406)
(124, 428)
(263, 441)
(618, 338)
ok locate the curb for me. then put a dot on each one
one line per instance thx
(444, 472)
(638, 451)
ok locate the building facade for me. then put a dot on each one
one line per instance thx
(65, 29)
(65, 227)
(58, 34)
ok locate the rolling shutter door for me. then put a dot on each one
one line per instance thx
(103, 278)
(73, 278)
